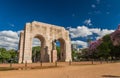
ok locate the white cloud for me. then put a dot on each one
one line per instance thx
(83, 31)
(80, 31)
(104, 32)
(18, 32)
(93, 6)
(80, 43)
(98, 37)
(36, 42)
(88, 22)
(94, 30)
(9, 33)
(100, 32)
(9, 39)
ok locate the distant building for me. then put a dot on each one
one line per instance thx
(74, 47)
(79, 50)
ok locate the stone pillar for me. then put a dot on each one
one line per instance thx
(54, 55)
(48, 52)
(27, 44)
(46, 56)
(42, 52)
(21, 44)
(62, 51)
(48, 45)
(54, 51)
(68, 52)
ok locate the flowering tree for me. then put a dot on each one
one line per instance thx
(115, 37)
(93, 45)
(107, 46)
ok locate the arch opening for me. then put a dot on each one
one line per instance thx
(61, 49)
(38, 44)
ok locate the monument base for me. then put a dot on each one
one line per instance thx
(27, 61)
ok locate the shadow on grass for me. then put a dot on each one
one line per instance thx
(82, 64)
(111, 76)
(45, 67)
(7, 68)
(26, 68)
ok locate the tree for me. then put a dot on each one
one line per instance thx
(74, 54)
(36, 54)
(115, 49)
(58, 52)
(14, 55)
(85, 53)
(4, 55)
(93, 48)
(7, 55)
(104, 50)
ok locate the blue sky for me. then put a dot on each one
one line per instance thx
(74, 15)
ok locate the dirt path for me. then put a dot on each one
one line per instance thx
(111, 70)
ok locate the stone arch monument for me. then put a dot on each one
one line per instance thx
(47, 34)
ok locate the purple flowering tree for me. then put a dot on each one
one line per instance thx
(93, 46)
(115, 37)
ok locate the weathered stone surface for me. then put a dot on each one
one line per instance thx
(46, 33)
(54, 55)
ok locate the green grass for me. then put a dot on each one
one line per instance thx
(6, 68)
(25, 68)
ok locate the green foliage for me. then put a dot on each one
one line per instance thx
(14, 55)
(36, 53)
(7, 55)
(106, 38)
(58, 52)
(36, 50)
(2, 49)
(85, 52)
(104, 48)
(74, 55)
(115, 52)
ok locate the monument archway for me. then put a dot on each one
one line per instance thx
(47, 34)
(62, 49)
(38, 55)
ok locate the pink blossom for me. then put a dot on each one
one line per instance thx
(115, 37)
(94, 44)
